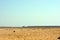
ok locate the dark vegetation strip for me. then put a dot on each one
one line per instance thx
(33, 27)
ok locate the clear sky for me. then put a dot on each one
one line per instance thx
(29, 12)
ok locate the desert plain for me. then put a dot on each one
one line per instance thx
(29, 33)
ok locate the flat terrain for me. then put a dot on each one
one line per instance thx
(29, 33)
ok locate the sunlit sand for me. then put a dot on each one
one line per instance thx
(29, 33)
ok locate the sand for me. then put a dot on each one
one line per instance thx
(29, 33)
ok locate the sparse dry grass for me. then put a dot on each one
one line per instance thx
(29, 33)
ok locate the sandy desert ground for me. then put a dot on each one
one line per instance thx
(29, 33)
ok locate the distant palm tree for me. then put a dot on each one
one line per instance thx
(23, 26)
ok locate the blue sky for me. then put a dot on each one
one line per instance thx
(29, 12)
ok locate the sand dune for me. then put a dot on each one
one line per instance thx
(29, 33)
